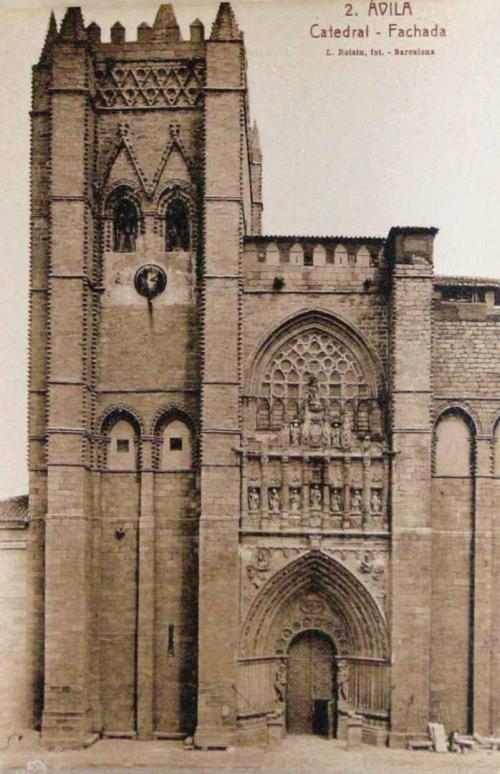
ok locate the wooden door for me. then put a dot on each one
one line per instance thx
(310, 681)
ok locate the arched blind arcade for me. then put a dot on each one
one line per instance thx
(453, 446)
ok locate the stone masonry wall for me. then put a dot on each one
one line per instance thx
(451, 602)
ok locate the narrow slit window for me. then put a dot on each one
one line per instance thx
(170, 640)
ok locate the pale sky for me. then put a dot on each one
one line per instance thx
(352, 145)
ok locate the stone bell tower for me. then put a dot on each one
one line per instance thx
(145, 177)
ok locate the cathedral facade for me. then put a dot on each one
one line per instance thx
(263, 469)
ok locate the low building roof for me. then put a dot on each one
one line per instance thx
(14, 510)
(466, 281)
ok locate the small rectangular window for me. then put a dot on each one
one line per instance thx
(170, 640)
(175, 444)
(122, 445)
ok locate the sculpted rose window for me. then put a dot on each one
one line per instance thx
(310, 358)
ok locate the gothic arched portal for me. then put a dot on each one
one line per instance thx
(315, 588)
(315, 592)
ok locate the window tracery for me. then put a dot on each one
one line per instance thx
(314, 356)
(314, 392)
(177, 225)
(125, 225)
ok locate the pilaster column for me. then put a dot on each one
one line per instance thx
(346, 520)
(224, 222)
(385, 517)
(409, 252)
(68, 717)
(145, 595)
(38, 376)
(244, 489)
(326, 490)
(366, 517)
(264, 491)
(482, 548)
(285, 489)
(306, 502)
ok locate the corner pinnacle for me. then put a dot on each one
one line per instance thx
(50, 37)
(225, 26)
(165, 25)
(72, 27)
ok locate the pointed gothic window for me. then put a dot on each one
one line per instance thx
(125, 226)
(310, 354)
(177, 227)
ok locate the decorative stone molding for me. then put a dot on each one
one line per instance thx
(142, 85)
(315, 575)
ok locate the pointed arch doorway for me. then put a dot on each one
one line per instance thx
(311, 689)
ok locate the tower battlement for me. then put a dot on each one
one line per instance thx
(163, 35)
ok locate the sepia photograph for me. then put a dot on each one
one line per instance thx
(250, 395)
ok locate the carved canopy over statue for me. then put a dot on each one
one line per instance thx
(315, 426)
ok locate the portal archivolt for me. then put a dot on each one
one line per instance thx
(315, 592)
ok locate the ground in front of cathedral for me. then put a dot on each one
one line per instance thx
(295, 755)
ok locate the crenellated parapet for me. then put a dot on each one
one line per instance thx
(298, 262)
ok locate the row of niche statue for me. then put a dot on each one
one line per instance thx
(315, 499)
(334, 435)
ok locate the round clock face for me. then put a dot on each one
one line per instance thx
(150, 280)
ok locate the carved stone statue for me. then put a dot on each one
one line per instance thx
(315, 497)
(378, 569)
(295, 433)
(366, 564)
(327, 433)
(345, 435)
(343, 678)
(280, 682)
(253, 499)
(371, 565)
(356, 500)
(376, 501)
(263, 558)
(335, 438)
(285, 435)
(312, 416)
(274, 500)
(294, 500)
(336, 500)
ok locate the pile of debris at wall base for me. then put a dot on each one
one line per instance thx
(454, 742)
